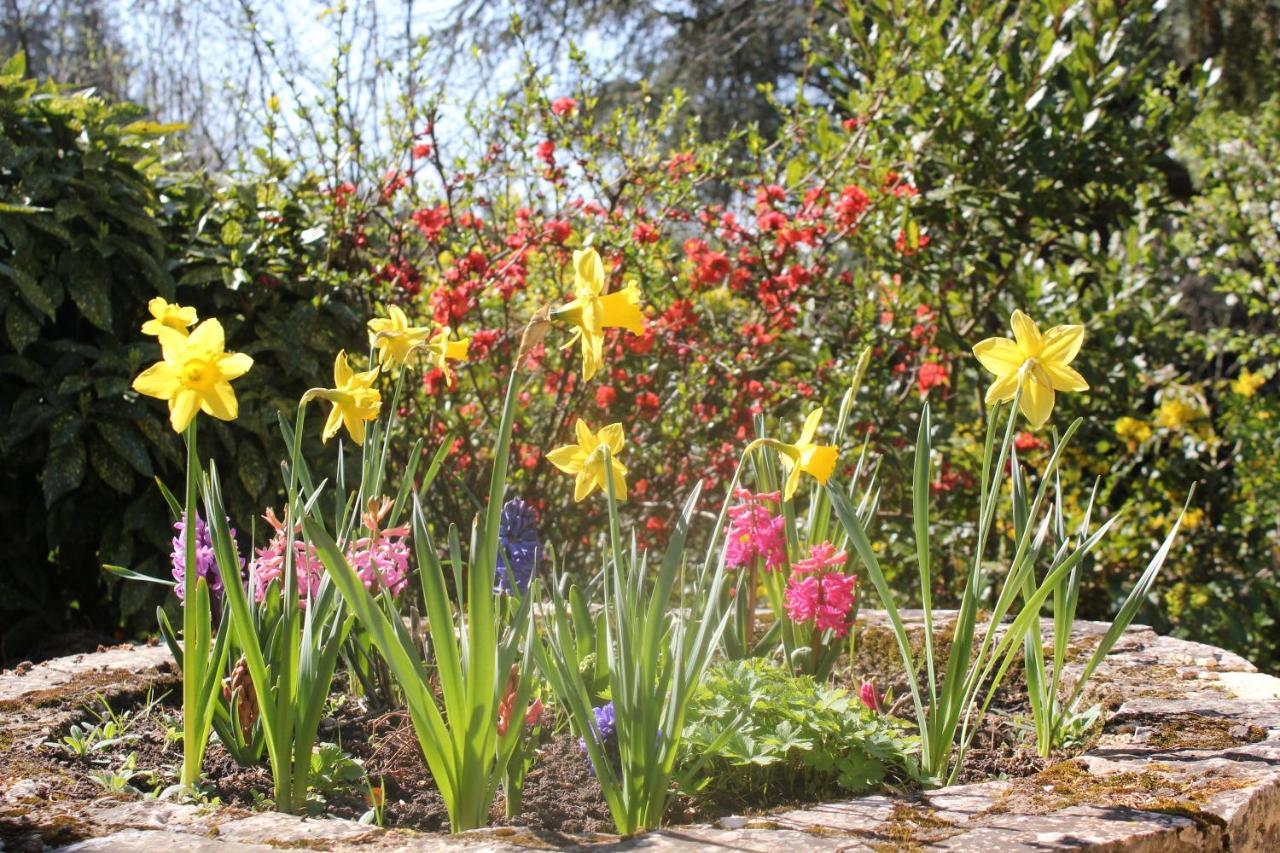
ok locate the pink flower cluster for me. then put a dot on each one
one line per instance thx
(268, 564)
(820, 591)
(755, 532)
(381, 559)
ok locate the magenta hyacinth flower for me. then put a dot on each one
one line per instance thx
(817, 591)
(755, 532)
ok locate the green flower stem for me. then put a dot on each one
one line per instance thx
(193, 656)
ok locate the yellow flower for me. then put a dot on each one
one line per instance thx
(803, 457)
(166, 316)
(354, 399)
(585, 460)
(1191, 518)
(394, 338)
(1248, 383)
(195, 374)
(1133, 430)
(441, 351)
(1040, 363)
(592, 313)
(1175, 413)
(816, 460)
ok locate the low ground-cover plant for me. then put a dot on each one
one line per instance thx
(792, 738)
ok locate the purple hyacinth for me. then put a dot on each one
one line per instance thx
(206, 564)
(606, 724)
(518, 543)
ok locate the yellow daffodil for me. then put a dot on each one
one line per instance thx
(803, 457)
(1039, 363)
(441, 350)
(1248, 383)
(168, 316)
(585, 460)
(195, 374)
(592, 313)
(394, 338)
(354, 399)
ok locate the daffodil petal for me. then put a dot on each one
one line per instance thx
(810, 428)
(220, 402)
(233, 365)
(1062, 344)
(613, 436)
(159, 380)
(208, 336)
(173, 343)
(1036, 401)
(1027, 334)
(583, 485)
(1001, 356)
(568, 459)
(588, 273)
(341, 369)
(1003, 389)
(586, 437)
(332, 424)
(619, 482)
(793, 481)
(1063, 377)
(183, 407)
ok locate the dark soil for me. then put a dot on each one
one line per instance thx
(560, 793)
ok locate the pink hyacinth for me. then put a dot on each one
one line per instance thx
(381, 559)
(754, 532)
(822, 558)
(817, 592)
(268, 564)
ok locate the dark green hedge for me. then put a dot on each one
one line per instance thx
(93, 224)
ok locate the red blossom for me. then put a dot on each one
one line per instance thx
(931, 375)
(431, 220)
(645, 233)
(564, 106)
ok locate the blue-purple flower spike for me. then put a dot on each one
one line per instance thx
(206, 564)
(518, 546)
